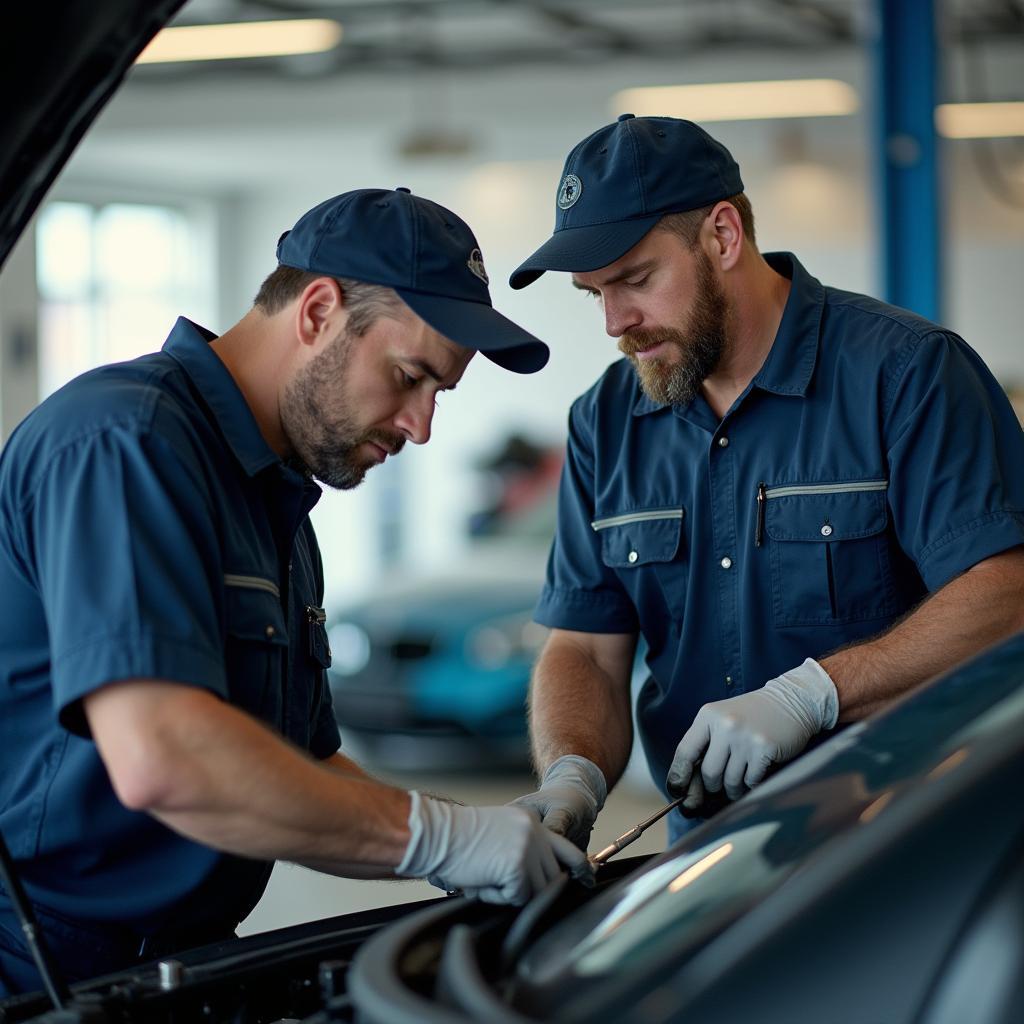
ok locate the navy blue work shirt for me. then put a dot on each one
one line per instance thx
(871, 460)
(148, 531)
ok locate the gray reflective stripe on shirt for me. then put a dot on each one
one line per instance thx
(637, 517)
(251, 583)
(847, 488)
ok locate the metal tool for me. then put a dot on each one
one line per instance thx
(633, 834)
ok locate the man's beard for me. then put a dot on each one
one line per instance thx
(326, 446)
(700, 344)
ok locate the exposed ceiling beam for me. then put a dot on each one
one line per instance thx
(586, 31)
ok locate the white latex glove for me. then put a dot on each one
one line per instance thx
(737, 740)
(495, 854)
(571, 793)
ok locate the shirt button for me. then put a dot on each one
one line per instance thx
(632, 556)
(826, 530)
(270, 632)
(723, 442)
(726, 562)
(728, 680)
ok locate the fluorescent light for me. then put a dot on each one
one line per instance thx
(741, 101)
(979, 120)
(242, 39)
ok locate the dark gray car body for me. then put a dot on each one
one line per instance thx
(878, 879)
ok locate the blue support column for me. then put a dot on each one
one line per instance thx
(909, 229)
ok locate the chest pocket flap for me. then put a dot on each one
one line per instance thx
(829, 554)
(253, 610)
(816, 517)
(632, 539)
(256, 647)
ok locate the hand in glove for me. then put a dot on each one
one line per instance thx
(737, 740)
(496, 854)
(571, 793)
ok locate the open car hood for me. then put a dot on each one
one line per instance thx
(59, 64)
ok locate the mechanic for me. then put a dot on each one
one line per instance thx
(166, 728)
(806, 501)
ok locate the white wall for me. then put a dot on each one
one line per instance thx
(19, 333)
(270, 150)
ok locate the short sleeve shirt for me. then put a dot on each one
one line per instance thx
(147, 530)
(871, 460)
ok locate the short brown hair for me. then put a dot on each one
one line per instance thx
(365, 303)
(687, 225)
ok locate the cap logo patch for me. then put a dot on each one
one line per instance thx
(569, 191)
(476, 265)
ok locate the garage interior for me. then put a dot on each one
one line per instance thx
(473, 103)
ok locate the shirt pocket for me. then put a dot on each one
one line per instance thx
(256, 646)
(630, 540)
(829, 552)
(649, 539)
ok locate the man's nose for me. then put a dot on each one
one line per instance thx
(620, 317)
(415, 418)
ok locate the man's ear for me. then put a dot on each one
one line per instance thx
(320, 314)
(726, 234)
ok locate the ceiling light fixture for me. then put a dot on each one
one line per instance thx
(741, 101)
(979, 120)
(241, 39)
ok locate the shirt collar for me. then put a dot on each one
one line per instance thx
(791, 360)
(189, 345)
(643, 404)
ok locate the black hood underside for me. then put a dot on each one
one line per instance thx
(59, 64)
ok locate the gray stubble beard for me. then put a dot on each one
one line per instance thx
(328, 448)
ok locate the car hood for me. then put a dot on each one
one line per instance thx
(838, 890)
(60, 64)
(838, 804)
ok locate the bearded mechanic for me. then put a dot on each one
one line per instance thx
(166, 729)
(805, 500)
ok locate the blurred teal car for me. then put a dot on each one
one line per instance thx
(432, 673)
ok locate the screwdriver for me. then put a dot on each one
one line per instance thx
(622, 842)
(633, 834)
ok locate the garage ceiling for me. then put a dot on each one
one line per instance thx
(388, 36)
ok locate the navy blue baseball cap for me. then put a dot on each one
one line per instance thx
(620, 181)
(426, 253)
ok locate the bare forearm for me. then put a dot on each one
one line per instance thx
(236, 786)
(579, 707)
(979, 608)
(293, 809)
(343, 765)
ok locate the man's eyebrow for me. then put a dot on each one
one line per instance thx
(424, 367)
(630, 271)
